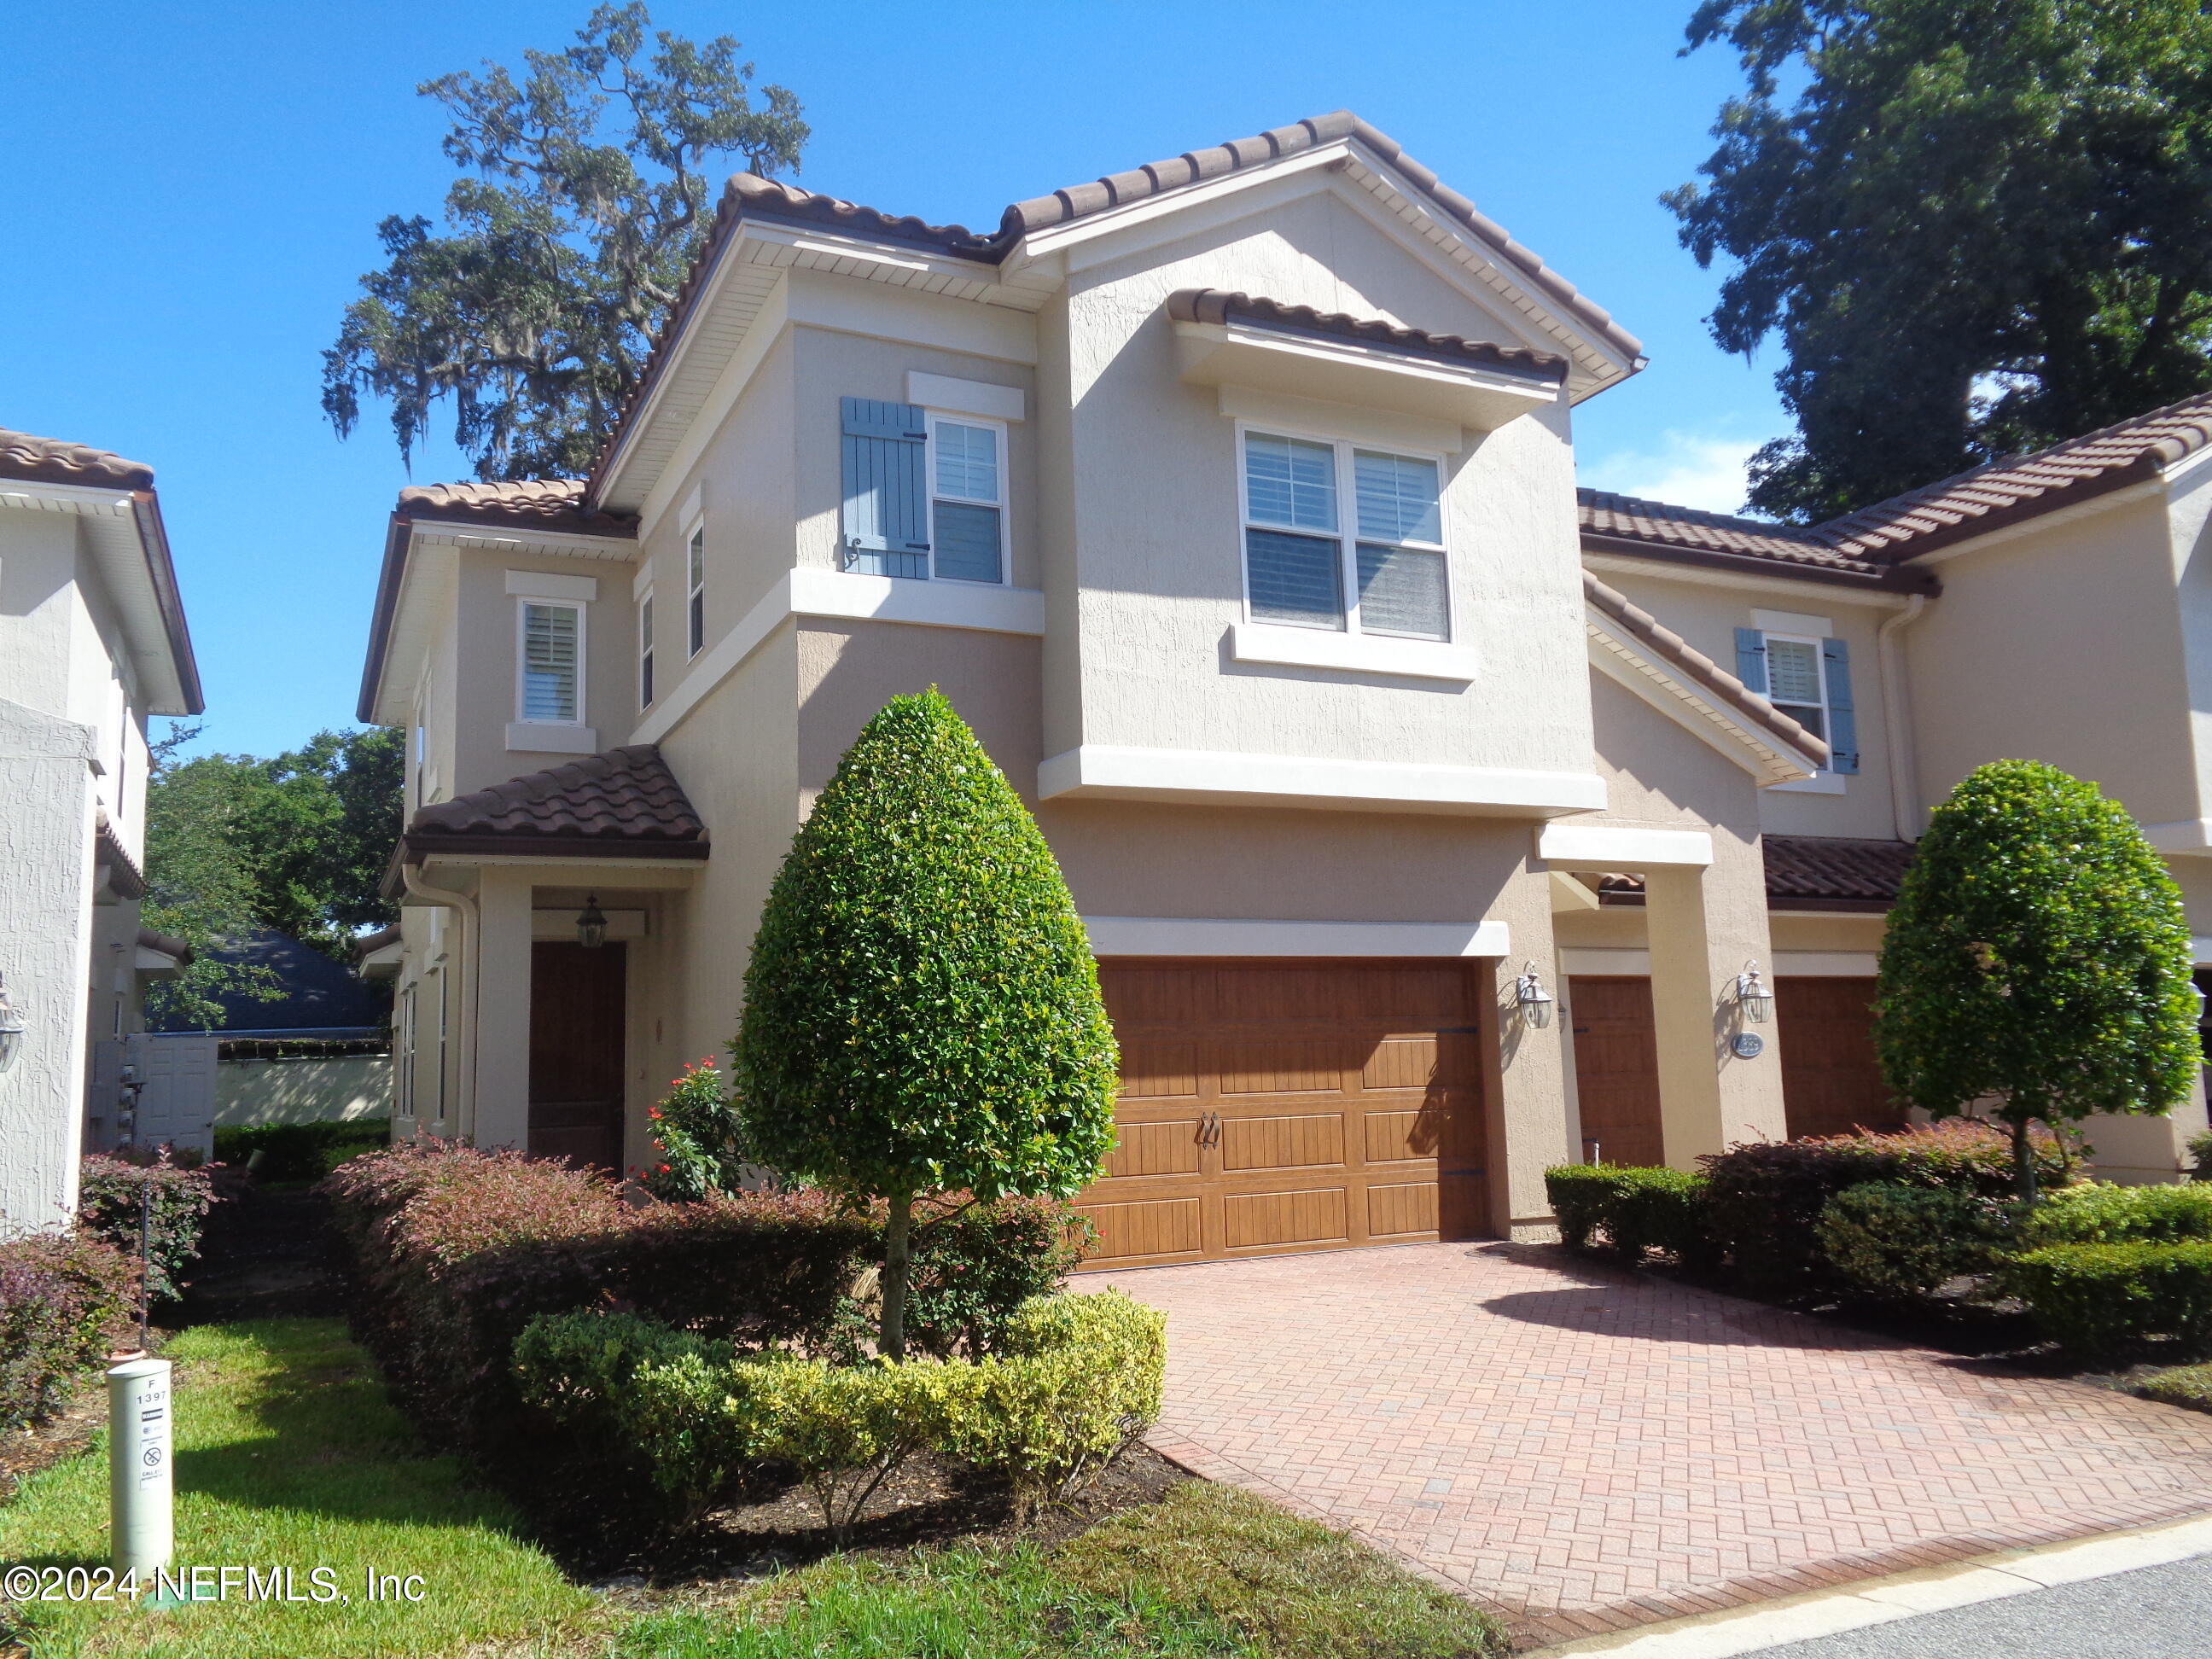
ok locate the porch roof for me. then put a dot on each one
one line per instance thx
(624, 804)
(1809, 872)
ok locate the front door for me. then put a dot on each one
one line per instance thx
(1616, 1068)
(576, 1022)
(1832, 1081)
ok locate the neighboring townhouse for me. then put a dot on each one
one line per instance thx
(92, 642)
(1231, 500)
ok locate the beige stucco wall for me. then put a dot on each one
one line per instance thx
(254, 1091)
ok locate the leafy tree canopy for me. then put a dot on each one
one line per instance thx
(1981, 226)
(297, 843)
(2038, 958)
(922, 1010)
(535, 311)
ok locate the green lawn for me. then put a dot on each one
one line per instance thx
(288, 1455)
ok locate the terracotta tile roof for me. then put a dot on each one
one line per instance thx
(1627, 524)
(1809, 872)
(748, 193)
(622, 804)
(367, 945)
(1640, 628)
(151, 940)
(50, 460)
(537, 503)
(124, 878)
(1217, 306)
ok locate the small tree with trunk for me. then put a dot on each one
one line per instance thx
(922, 1012)
(2036, 962)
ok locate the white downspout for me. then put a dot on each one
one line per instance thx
(1897, 719)
(471, 991)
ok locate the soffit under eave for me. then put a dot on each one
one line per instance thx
(114, 542)
(428, 588)
(1767, 760)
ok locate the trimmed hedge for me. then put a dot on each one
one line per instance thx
(301, 1152)
(1081, 1377)
(2100, 1300)
(66, 1299)
(1635, 1208)
(455, 1251)
(1903, 1243)
(2101, 1213)
(1765, 1200)
(109, 1198)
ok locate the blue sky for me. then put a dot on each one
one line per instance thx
(194, 189)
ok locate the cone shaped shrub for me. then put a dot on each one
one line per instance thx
(921, 1010)
(2037, 954)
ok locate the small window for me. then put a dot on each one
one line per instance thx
(552, 663)
(1793, 684)
(967, 504)
(645, 651)
(695, 609)
(1296, 565)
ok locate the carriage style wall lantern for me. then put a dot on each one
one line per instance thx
(1751, 994)
(1531, 999)
(11, 1029)
(592, 924)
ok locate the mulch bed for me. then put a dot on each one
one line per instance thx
(26, 1451)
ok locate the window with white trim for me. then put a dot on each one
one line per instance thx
(695, 603)
(1389, 576)
(645, 650)
(967, 499)
(550, 680)
(1795, 683)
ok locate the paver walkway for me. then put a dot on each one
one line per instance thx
(1588, 1449)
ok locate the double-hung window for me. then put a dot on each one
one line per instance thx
(550, 690)
(1389, 575)
(695, 603)
(1808, 676)
(645, 650)
(925, 493)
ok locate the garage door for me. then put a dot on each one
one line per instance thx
(1831, 1077)
(1271, 1107)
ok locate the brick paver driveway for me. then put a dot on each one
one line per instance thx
(1589, 1449)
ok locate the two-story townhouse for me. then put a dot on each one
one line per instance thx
(92, 642)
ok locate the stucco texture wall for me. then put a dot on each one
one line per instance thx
(255, 1092)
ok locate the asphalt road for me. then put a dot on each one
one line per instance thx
(2153, 1613)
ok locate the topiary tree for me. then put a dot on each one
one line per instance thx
(922, 1010)
(2037, 959)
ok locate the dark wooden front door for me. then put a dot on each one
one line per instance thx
(1273, 1107)
(1617, 1067)
(1831, 1077)
(576, 1022)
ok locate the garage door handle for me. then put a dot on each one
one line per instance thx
(1209, 1128)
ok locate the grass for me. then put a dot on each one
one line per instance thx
(2184, 1385)
(1209, 1571)
(288, 1454)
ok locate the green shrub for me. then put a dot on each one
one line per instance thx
(2097, 1300)
(111, 1193)
(1765, 1199)
(577, 1366)
(977, 1265)
(2184, 1385)
(2200, 1155)
(1902, 1242)
(701, 1142)
(2101, 1213)
(65, 1300)
(300, 1151)
(1635, 1208)
(1081, 1377)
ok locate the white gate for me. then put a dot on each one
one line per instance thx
(176, 1104)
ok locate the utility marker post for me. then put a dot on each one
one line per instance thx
(141, 1414)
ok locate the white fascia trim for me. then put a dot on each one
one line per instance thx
(444, 532)
(1356, 653)
(1659, 568)
(1203, 936)
(807, 592)
(1113, 771)
(540, 585)
(547, 738)
(1821, 783)
(40, 497)
(952, 396)
(1765, 759)
(1612, 847)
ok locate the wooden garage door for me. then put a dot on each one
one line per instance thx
(1616, 1068)
(1831, 1077)
(1271, 1107)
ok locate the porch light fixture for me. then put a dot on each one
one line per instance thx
(11, 1030)
(1751, 994)
(592, 924)
(1531, 999)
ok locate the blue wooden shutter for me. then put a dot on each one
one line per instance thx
(886, 495)
(1750, 658)
(1843, 720)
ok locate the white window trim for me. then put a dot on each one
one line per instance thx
(1004, 504)
(695, 528)
(522, 661)
(645, 650)
(1826, 781)
(1347, 532)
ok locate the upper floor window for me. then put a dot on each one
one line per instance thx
(925, 493)
(551, 688)
(1389, 576)
(645, 650)
(1808, 676)
(695, 606)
